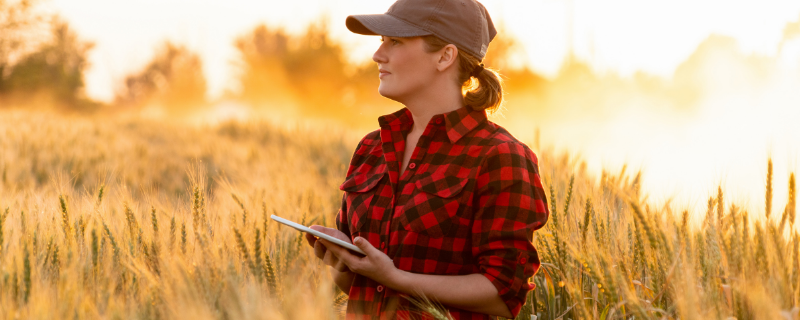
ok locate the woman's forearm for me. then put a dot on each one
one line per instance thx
(472, 292)
(343, 279)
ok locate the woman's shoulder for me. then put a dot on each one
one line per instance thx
(371, 139)
(500, 141)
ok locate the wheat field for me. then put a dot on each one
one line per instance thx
(106, 217)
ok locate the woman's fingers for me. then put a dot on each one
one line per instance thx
(342, 254)
(340, 266)
(328, 252)
(375, 265)
(331, 232)
(330, 259)
(319, 250)
(365, 246)
(311, 239)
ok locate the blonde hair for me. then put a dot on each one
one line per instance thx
(484, 92)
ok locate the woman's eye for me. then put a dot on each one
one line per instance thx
(393, 41)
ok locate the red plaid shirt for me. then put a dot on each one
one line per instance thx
(468, 202)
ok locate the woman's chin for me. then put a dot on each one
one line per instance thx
(387, 93)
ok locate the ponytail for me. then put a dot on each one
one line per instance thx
(482, 90)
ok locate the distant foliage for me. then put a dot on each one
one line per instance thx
(173, 78)
(310, 72)
(41, 57)
(56, 68)
(18, 26)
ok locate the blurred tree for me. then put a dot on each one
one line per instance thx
(17, 23)
(173, 79)
(316, 69)
(308, 71)
(55, 68)
(263, 75)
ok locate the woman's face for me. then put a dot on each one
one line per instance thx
(405, 67)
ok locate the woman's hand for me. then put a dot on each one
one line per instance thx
(322, 252)
(376, 265)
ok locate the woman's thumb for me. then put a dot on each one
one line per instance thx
(364, 245)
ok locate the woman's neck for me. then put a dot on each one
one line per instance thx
(424, 108)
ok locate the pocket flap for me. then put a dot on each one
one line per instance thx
(443, 186)
(363, 181)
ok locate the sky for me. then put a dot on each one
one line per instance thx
(621, 36)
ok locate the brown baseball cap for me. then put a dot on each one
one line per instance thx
(464, 23)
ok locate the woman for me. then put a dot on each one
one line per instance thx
(442, 201)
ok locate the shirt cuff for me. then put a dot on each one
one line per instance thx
(513, 290)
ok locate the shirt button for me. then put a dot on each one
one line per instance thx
(383, 245)
(412, 165)
(380, 288)
(438, 120)
(522, 260)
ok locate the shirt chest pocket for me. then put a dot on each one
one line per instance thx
(361, 193)
(433, 208)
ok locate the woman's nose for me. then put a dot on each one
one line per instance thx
(379, 56)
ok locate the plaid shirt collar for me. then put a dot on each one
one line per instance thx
(457, 123)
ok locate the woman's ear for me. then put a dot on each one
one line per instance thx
(447, 57)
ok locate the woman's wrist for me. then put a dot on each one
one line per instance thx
(342, 279)
(398, 280)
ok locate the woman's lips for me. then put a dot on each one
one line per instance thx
(383, 73)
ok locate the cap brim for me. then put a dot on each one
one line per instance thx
(384, 25)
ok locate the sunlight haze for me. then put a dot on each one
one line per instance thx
(724, 139)
(617, 35)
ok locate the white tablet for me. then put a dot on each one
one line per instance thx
(303, 228)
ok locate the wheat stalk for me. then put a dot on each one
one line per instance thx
(257, 267)
(95, 250)
(587, 215)
(241, 205)
(172, 230)
(196, 207)
(26, 274)
(243, 250)
(768, 196)
(269, 271)
(569, 195)
(113, 241)
(100, 196)
(64, 217)
(792, 205)
(183, 238)
(2, 224)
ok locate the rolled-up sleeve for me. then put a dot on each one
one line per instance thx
(510, 204)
